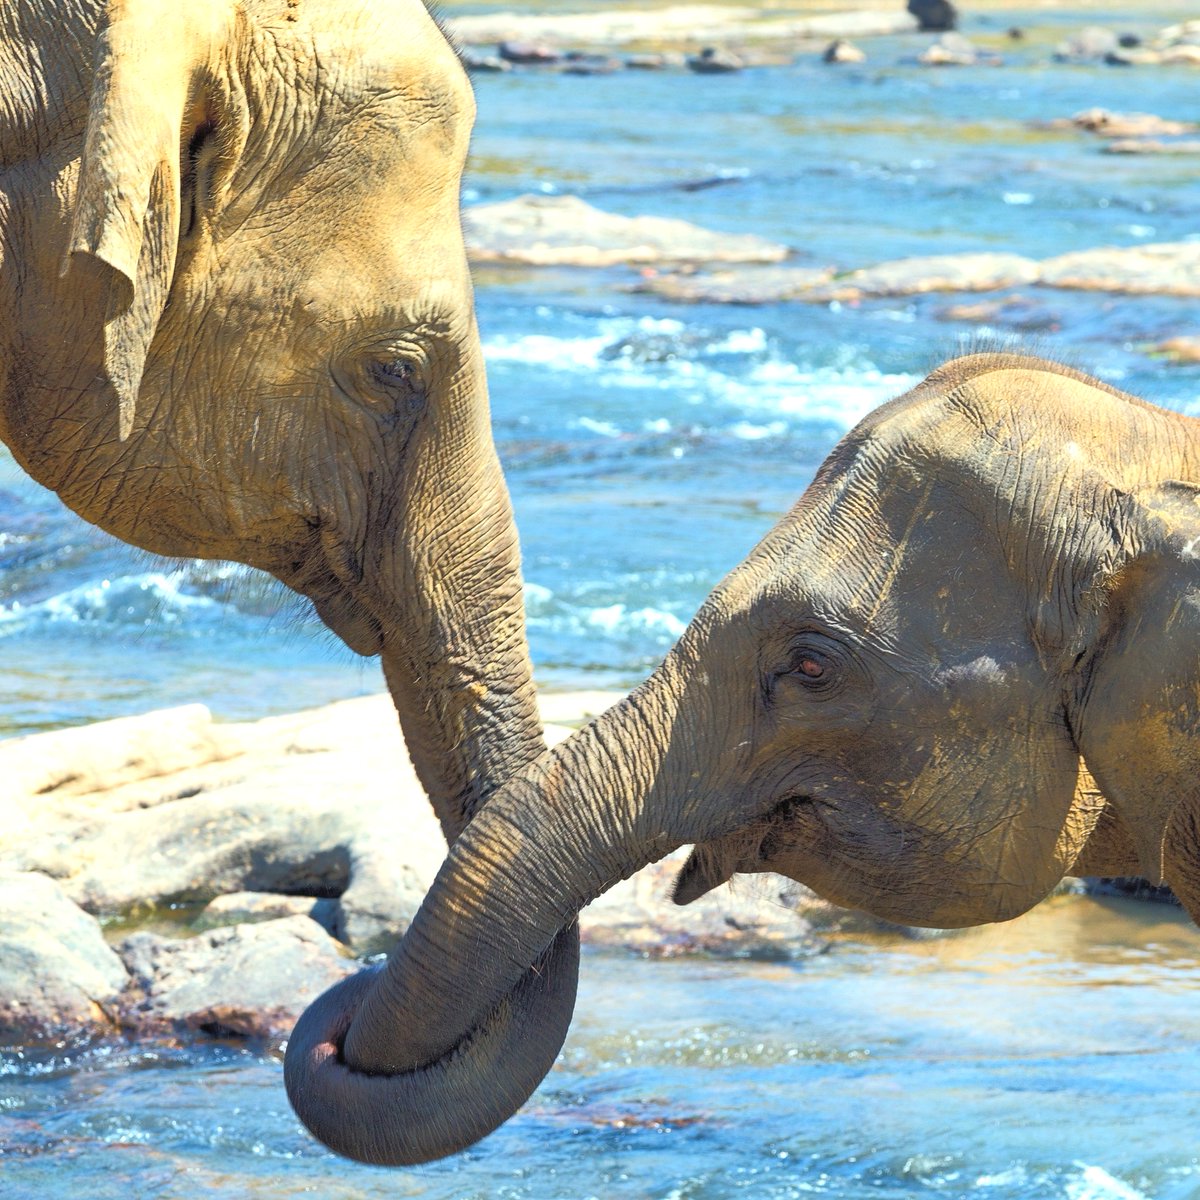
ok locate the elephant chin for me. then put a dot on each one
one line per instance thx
(350, 621)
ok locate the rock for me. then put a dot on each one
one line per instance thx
(933, 16)
(1134, 58)
(1016, 34)
(714, 61)
(577, 63)
(1152, 146)
(676, 26)
(1181, 349)
(1165, 268)
(1129, 41)
(71, 762)
(741, 285)
(950, 50)
(1186, 33)
(935, 273)
(485, 63)
(1186, 55)
(563, 230)
(243, 908)
(245, 981)
(1089, 45)
(527, 53)
(655, 62)
(1012, 312)
(753, 917)
(1120, 125)
(842, 51)
(60, 977)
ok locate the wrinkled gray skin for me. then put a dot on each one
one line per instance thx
(237, 323)
(991, 588)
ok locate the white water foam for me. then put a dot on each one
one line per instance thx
(764, 382)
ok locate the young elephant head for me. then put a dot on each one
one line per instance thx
(888, 700)
(239, 324)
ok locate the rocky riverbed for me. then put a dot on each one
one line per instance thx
(165, 875)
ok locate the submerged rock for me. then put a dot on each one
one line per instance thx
(564, 230)
(528, 53)
(60, 976)
(577, 63)
(1180, 349)
(245, 981)
(1110, 124)
(738, 285)
(1091, 44)
(243, 908)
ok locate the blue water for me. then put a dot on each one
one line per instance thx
(648, 446)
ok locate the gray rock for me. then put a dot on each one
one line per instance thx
(590, 64)
(528, 53)
(60, 977)
(563, 230)
(760, 916)
(654, 62)
(933, 16)
(243, 908)
(245, 981)
(713, 60)
(485, 64)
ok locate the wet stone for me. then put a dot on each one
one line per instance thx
(528, 53)
(713, 60)
(933, 16)
(841, 52)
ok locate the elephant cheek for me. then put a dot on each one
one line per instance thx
(352, 623)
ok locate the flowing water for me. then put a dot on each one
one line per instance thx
(648, 446)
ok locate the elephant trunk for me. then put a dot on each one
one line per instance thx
(549, 841)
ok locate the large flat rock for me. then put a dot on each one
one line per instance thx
(566, 231)
(1164, 269)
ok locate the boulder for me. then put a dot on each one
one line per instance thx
(565, 231)
(842, 51)
(933, 16)
(577, 63)
(1164, 268)
(246, 981)
(60, 976)
(1110, 124)
(761, 916)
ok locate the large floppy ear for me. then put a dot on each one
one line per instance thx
(1138, 726)
(150, 59)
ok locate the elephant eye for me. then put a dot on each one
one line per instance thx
(810, 668)
(399, 383)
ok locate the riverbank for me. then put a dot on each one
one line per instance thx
(169, 875)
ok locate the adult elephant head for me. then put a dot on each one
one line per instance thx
(991, 583)
(237, 322)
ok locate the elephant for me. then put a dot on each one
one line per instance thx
(964, 663)
(237, 322)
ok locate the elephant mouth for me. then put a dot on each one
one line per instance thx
(336, 604)
(748, 848)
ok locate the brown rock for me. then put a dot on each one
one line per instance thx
(60, 977)
(245, 981)
(1181, 349)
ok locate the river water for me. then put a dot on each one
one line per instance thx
(648, 446)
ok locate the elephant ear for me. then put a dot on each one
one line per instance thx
(149, 60)
(1139, 724)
